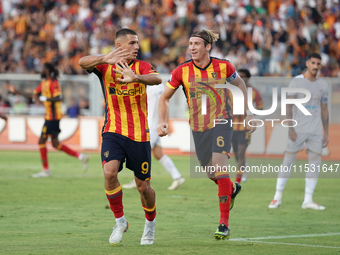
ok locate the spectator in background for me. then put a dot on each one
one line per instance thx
(73, 109)
(63, 31)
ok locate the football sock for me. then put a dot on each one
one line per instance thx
(214, 180)
(121, 220)
(150, 213)
(68, 150)
(283, 176)
(314, 161)
(115, 198)
(224, 195)
(309, 189)
(43, 155)
(238, 176)
(169, 166)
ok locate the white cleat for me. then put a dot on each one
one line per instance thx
(84, 160)
(176, 183)
(130, 185)
(244, 177)
(274, 204)
(149, 233)
(117, 233)
(312, 205)
(42, 174)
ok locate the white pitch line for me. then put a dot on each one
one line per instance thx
(283, 237)
(294, 244)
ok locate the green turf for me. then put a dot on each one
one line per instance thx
(68, 213)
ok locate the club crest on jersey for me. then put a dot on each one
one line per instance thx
(214, 75)
(106, 154)
(223, 199)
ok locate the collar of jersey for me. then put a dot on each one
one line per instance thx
(203, 67)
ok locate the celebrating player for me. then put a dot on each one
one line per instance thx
(155, 141)
(212, 142)
(125, 132)
(49, 92)
(308, 130)
(241, 136)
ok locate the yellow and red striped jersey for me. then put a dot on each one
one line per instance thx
(50, 88)
(125, 103)
(239, 119)
(197, 81)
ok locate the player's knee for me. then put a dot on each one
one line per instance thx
(143, 188)
(55, 144)
(110, 173)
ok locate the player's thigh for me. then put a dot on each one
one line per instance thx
(221, 140)
(203, 145)
(138, 159)
(112, 149)
(297, 145)
(314, 143)
(51, 128)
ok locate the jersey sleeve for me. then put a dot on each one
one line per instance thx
(231, 72)
(146, 68)
(293, 84)
(37, 91)
(55, 88)
(175, 79)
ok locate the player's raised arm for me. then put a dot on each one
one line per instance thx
(90, 62)
(163, 126)
(130, 76)
(241, 85)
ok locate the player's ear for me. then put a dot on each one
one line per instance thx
(208, 47)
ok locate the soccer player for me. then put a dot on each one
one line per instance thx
(212, 142)
(49, 92)
(308, 130)
(241, 136)
(153, 93)
(125, 132)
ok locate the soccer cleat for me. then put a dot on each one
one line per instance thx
(130, 185)
(244, 177)
(238, 188)
(117, 233)
(222, 232)
(42, 174)
(149, 233)
(274, 204)
(312, 205)
(176, 183)
(84, 160)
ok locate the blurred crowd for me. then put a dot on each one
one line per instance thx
(269, 37)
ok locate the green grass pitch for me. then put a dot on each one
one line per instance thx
(68, 213)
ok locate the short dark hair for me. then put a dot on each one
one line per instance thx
(53, 71)
(314, 55)
(124, 32)
(245, 71)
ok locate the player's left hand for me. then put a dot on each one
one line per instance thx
(325, 141)
(126, 72)
(163, 129)
(248, 118)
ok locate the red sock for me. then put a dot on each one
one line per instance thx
(238, 176)
(68, 150)
(150, 213)
(43, 155)
(224, 194)
(115, 198)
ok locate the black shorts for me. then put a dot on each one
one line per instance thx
(50, 128)
(217, 139)
(241, 137)
(137, 154)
